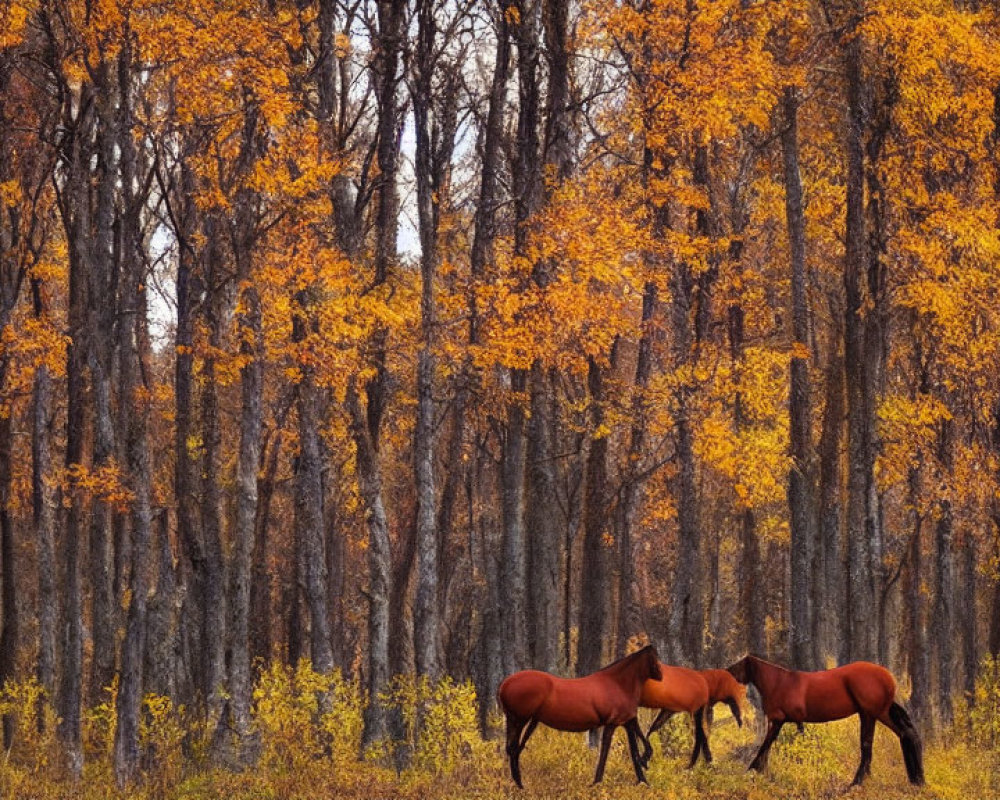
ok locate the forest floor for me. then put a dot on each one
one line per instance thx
(816, 764)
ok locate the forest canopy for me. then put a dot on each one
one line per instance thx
(453, 337)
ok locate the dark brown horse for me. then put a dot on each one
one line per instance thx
(608, 698)
(861, 688)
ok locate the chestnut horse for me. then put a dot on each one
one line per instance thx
(679, 689)
(861, 688)
(608, 698)
(724, 688)
(695, 692)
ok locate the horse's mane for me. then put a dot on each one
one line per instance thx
(626, 659)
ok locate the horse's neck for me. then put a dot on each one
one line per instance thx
(626, 671)
(767, 675)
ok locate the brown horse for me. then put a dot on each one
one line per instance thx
(608, 698)
(724, 688)
(678, 689)
(681, 689)
(861, 688)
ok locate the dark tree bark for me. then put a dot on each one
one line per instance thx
(433, 157)
(801, 476)
(829, 502)
(160, 660)
(916, 639)
(629, 609)
(213, 617)
(104, 279)
(309, 504)
(967, 601)
(543, 535)
(861, 510)
(595, 569)
(245, 526)
(366, 429)
(137, 393)
(44, 517)
(944, 583)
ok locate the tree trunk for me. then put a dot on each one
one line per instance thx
(800, 478)
(426, 624)
(245, 527)
(970, 637)
(379, 571)
(629, 611)
(861, 595)
(829, 505)
(944, 584)
(213, 631)
(9, 633)
(309, 506)
(595, 569)
(43, 516)
(916, 639)
(137, 394)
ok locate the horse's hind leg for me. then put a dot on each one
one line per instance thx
(527, 733)
(700, 740)
(514, 728)
(760, 760)
(867, 734)
(659, 722)
(609, 731)
(706, 753)
(634, 734)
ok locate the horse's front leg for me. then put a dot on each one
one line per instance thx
(634, 734)
(609, 731)
(760, 760)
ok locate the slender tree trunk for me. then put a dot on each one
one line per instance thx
(8, 570)
(137, 393)
(916, 639)
(595, 569)
(213, 632)
(426, 622)
(379, 571)
(628, 603)
(162, 646)
(245, 527)
(970, 636)
(43, 516)
(944, 585)
(309, 507)
(260, 584)
(861, 596)
(800, 478)
(367, 429)
(829, 502)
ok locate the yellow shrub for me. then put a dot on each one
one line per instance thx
(301, 714)
(984, 716)
(440, 721)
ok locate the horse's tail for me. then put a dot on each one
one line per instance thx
(909, 740)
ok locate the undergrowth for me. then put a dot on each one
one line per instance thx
(308, 733)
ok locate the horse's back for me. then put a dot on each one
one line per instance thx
(522, 693)
(679, 689)
(845, 690)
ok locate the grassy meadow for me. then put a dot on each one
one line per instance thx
(303, 754)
